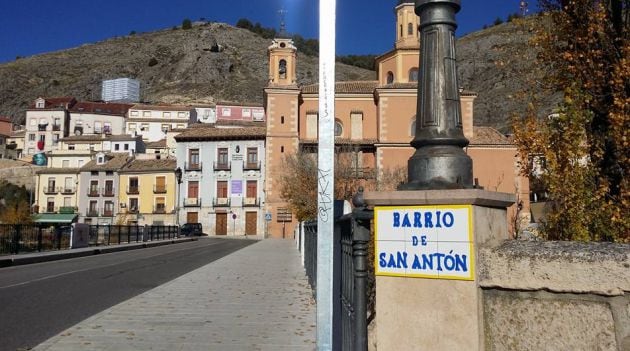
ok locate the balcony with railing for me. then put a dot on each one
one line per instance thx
(92, 212)
(251, 202)
(42, 127)
(222, 166)
(251, 166)
(159, 209)
(50, 209)
(56, 127)
(51, 190)
(93, 192)
(159, 189)
(132, 209)
(108, 192)
(108, 213)
(221, 202)
(193, 166)
(133, 190)
(192, 202)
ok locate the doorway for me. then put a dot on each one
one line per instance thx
(221, 224)
(250, 223)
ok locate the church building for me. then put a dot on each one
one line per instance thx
(375, 119)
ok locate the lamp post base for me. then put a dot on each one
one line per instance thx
(439, 167)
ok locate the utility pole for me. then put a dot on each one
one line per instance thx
(325, 174)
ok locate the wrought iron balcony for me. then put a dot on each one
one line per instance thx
(251, 166)
(108, 213)
(193, 166)
(56, 127)
(68, 190)
(108, 192)
(221, 202)
(42, 127)
(50, 209)
(92, 212)
(159, 189)
(192, 202)
(222, 166)
(93, 192)
(133, 190)
(159, 209)
(51, 190)
(251, 202)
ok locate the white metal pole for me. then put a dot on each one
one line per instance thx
(326, 171)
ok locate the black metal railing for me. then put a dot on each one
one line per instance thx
(159, 189)
(93, 192)
(108, 192)
(193, 166)
(159, 209)
(24, 238)
(251, 202)
(51, 190)
(222, 166)
(251, 166)
(68, 190)
(124, 234)
(350, 313)
(221, 202)
(192, 202)
(133, 189)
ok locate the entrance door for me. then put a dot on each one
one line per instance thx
(250, 223)
(221, 226)
(192, 217)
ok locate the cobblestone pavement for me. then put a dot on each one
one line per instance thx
(257, 298)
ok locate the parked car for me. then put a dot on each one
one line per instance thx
(191, 229)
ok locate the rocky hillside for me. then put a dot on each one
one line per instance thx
(210, 62)
(217, 62)
(500, 66)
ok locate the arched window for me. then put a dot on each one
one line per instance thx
(338, 128)
(410, 29)
(412, 132)
(390, 77)
(282, 68)
(413, 74)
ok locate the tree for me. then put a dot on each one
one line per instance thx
(300, 176)
(245, 24)
(582, 153)
(16, 212)
(186, 24)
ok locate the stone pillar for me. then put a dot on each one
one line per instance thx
(439, 312)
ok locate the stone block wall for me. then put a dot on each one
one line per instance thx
(555, 296)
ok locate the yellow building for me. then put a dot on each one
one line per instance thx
(147, 192)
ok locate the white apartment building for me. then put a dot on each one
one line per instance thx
(120, 90)
(153, 122)
(223, 173)
(47, 121)
(98, 118)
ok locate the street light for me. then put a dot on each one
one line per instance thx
(178, 176)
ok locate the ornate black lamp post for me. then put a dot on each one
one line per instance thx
(439, 161)
(178, 176)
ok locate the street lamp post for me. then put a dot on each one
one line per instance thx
(439, 161)
(178, 176)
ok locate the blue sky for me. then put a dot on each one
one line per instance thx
(28, 27)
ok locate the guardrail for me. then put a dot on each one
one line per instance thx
(350, 264)
(24, 238)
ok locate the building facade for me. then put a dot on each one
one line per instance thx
(47, 121)
(152, 122)
(120, 90)
(374, 121)
(147, 192)
(98, 190)
(90, 118)
(223, 179)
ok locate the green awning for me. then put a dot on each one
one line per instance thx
(64, 218)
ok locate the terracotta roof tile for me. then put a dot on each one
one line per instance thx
(211, 132)
(114, 163)
(93, 138)
(101, 108)
(161, 107)
(350, 87)
(153, 165)
(57, 102)
(58, 170)
(160, 144)
(488, 136)
(240, 104)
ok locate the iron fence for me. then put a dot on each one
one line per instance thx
(123, 234)
(23, 238)
(350, 264)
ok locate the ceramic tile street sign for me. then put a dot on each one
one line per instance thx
(424, 242)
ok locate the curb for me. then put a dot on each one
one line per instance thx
(67, 254)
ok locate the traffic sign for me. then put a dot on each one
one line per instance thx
(268, 217)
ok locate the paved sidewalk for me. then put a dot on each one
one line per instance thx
(257, 298)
